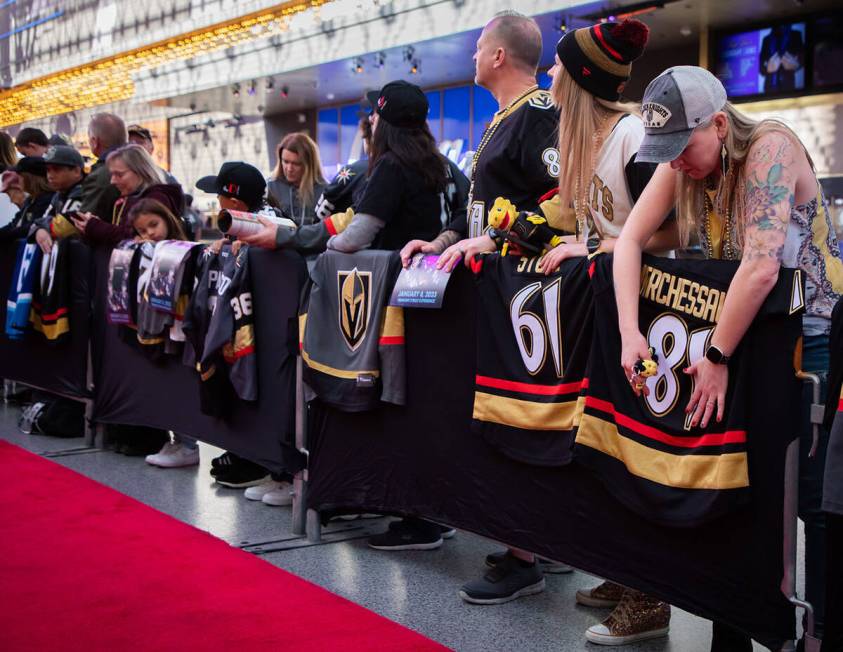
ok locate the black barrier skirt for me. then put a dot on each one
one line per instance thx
(423, 460)
(59, 368)
(134, 390)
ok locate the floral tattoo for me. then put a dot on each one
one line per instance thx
(769, 196)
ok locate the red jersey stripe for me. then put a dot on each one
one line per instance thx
(709, 439)
(528, 388)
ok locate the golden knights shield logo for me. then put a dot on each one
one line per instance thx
(354, 289)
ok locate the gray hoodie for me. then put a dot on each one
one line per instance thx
(290, 201)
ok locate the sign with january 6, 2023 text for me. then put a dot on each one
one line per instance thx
(420, 285)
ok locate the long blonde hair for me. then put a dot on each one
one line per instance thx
(742, 132)
(301, 144)
(579, 118)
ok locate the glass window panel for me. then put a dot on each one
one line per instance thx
(327, 136)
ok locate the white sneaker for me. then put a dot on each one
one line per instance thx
(173, 455)
(279, 497)
(258, 492)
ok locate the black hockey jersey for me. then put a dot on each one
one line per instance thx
(352, 342)
(344, 190)
(532, 353)
(644, 449)
(50, 312)
(219, 324)
(517, 158)
(62, 204)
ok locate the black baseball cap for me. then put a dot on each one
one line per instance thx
(143, 132)
(236, 179)
(64, 155)
(402, 104)
(31, 164)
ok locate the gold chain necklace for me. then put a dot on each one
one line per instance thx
(728, 250)
(581, 202)
(487, 136)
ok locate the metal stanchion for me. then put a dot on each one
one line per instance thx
(791, 516)
(300, 479)
(94, 433)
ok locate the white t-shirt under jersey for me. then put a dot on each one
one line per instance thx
(618, 180)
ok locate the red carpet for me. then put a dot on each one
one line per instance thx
(83, 567)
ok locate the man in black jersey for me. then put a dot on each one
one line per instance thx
(517, 157)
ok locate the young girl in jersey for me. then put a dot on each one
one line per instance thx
(153, 222)
(750, 191)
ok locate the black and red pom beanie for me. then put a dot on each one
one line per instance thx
(599, 58)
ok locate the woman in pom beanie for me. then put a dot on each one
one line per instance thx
(601, 180)
(599, 137)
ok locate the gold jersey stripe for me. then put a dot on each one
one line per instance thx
(333, 371)
(727, 471)
(527, 415)
(52, 331)
(302, 324)
(244, 338)
(393, 322)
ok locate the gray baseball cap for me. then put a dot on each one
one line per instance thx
(675, 103)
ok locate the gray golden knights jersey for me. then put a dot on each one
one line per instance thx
(352, 342)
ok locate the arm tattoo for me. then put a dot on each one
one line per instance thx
(769, 197)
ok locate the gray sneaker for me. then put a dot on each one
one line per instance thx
(547, 567)
(508, 580)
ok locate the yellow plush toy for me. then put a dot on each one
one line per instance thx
(525, 233)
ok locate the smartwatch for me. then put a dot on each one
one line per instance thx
(715, 355)
(592, 245)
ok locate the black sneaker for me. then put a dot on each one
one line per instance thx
(548, 567)
(226, 459)
(241, 474)
(508, 580)
(445, 531)
(408, 534)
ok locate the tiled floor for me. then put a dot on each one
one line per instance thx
(416, 589)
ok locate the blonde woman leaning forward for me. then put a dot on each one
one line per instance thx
(751, 192)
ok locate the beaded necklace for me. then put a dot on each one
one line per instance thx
(718, 235)
(487, 136)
